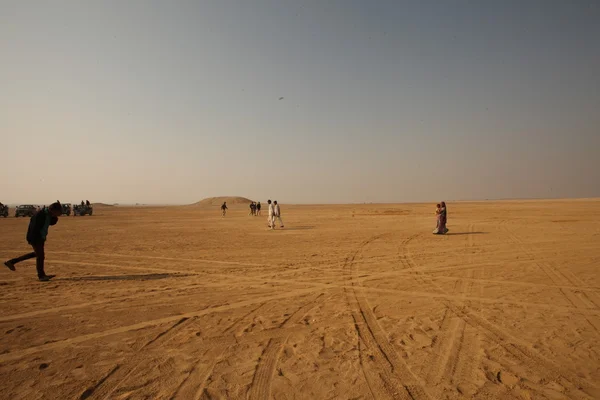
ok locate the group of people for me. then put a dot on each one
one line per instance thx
(46, 217)
(255, 208)
(274, 212)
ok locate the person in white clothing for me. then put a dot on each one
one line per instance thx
(277, 214)
(271, 218)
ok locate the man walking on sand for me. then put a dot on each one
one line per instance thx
(271, 218)
(224, 208)
(36, 237)
(277, 214)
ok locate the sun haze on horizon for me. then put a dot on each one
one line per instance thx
(340, 102)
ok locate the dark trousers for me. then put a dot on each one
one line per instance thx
(38, 254)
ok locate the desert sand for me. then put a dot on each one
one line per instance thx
(348, 302)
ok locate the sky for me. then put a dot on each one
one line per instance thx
(337, 101)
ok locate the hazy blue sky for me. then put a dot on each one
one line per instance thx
(384, 101)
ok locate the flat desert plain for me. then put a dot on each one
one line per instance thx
(348, 302)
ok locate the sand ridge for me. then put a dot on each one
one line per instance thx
(352, 301)
(218, 201)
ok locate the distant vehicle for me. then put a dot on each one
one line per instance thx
(83, 210)
(66, 209)
(4, 211)
(25, 210)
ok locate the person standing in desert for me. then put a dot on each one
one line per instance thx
(258, 208)
(271, 218)
(36, 237)
(441, 213)
(277, 214)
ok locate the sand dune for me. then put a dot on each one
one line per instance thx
(346, 302)
(217, 201)
(100, 205)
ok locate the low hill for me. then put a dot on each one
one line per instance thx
(101, 205)
(217, 201)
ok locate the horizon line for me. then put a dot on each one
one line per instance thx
(138, 204)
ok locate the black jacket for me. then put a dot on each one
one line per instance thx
(36, 233)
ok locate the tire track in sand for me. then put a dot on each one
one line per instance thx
(454, 348)
(386, 373)
(123, 371)
(519, 349)
(265, 370)
(558, 278)
(193, 385)
(448, 361)
(317, 287)
(170, 319)
(591, 295)
(468, 359)
(90, 391)
(262, 280)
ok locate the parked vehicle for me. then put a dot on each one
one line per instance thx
(83, 210)
(25, 210)
(66, 209)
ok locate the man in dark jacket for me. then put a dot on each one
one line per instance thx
(224, 208)
(36, 237)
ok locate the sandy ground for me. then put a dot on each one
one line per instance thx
(349, 302)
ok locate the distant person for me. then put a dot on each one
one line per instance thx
(258, 208)
(442, 215)
(271, 218)
(277, 214)
(224, 208)
(252, 208)
(82, 203)
(87, 203)
(36, 237)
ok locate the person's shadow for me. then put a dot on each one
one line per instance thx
(465, 233)
(298, 228)
(138, 277)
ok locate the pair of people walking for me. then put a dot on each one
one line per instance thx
(255, 208)
(274, 214)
